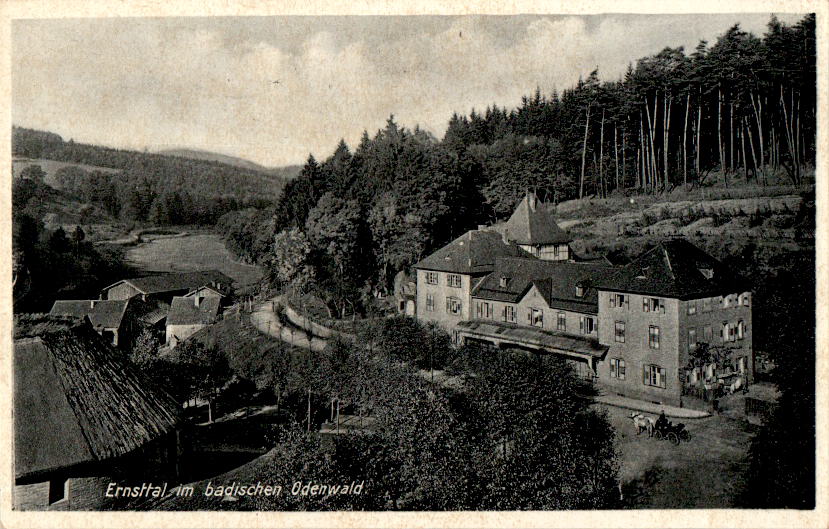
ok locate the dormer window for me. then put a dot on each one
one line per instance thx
(503, 281)
(579, 291)
(707, 272)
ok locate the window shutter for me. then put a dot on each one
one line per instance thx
(530, 316)
(581, 323)
(613, 300)
(645, 375)
(661, 377)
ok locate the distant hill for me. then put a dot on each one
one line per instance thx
(289, 171)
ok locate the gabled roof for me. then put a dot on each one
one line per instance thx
(675, 268)
(176, 281)
(531, 223)
(102, 313)
(183, 310)
(472, 253)
(555, 280)
(77, 400)
(199, 291)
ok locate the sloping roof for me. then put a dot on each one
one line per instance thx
(675, 268)
(176, 281)
(531, 223)
(472, 253)
(200, 291)
(555, 280)
(550, 341)
(103, 313)
(183, 310)
(77, 400)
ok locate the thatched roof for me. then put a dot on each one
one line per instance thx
(78, 400)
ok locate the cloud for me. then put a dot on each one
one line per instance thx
(274, 98)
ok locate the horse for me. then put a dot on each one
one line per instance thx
(642, 423)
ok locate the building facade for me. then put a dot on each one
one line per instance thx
(669, 327)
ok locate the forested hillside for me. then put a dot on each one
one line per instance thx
(740, 110)
(150, 187)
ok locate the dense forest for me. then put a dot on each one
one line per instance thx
(155, 188)
(740, 109)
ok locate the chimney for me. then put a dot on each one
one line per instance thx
(505, 235)
(92, 303)
(197, 300)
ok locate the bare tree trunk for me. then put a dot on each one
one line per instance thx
(584, 152)
(719, 131)
(789, 140)
(651, 132)
(666, 136)
(641, 153)
(758, 115)
(697, 149)
(731, 134)
(616, 153)
(754, 154)
(601, 158)
(685, 141)
(624, 156)
(742, 134)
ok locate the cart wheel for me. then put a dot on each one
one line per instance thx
(674, 438)
(658, 435)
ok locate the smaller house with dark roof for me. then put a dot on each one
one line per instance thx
(189, 314)
(111, 318)
(163, 287)
(84, 418)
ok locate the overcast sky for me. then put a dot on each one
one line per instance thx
(273, 89)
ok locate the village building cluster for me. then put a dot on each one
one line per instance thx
(668, 327)
(173, 306)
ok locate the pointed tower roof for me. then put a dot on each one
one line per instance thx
(531, 223)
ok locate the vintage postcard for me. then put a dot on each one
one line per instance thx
(414, 265)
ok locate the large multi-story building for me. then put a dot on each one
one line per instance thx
(666, 327)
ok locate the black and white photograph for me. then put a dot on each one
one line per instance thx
(389, 263)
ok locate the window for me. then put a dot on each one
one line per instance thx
(744, 299)
(653, 337)
(453, 305)
(741, 330)
(453, 280)
(706, 305)
(556, 251)
(653, 375)
(503, 281)
(617, 368)
(726, 302)
(561, 321)
(58, 490)
(430, 302)
(432, 278)
(586, 325)
(692, 307)
(692, 339)
(536, 317)
(619, 300)
(509, 314)
(619, 334)
(579, 291)
(483, 309)
(653, 305)
(707, 334)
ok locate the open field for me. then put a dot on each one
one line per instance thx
(195, 251)
(52, 166)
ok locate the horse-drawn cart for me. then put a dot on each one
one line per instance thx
(672, 432)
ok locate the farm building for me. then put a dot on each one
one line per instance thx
(112, 319)
(164, 287)
(189, 314)
(84, 418)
